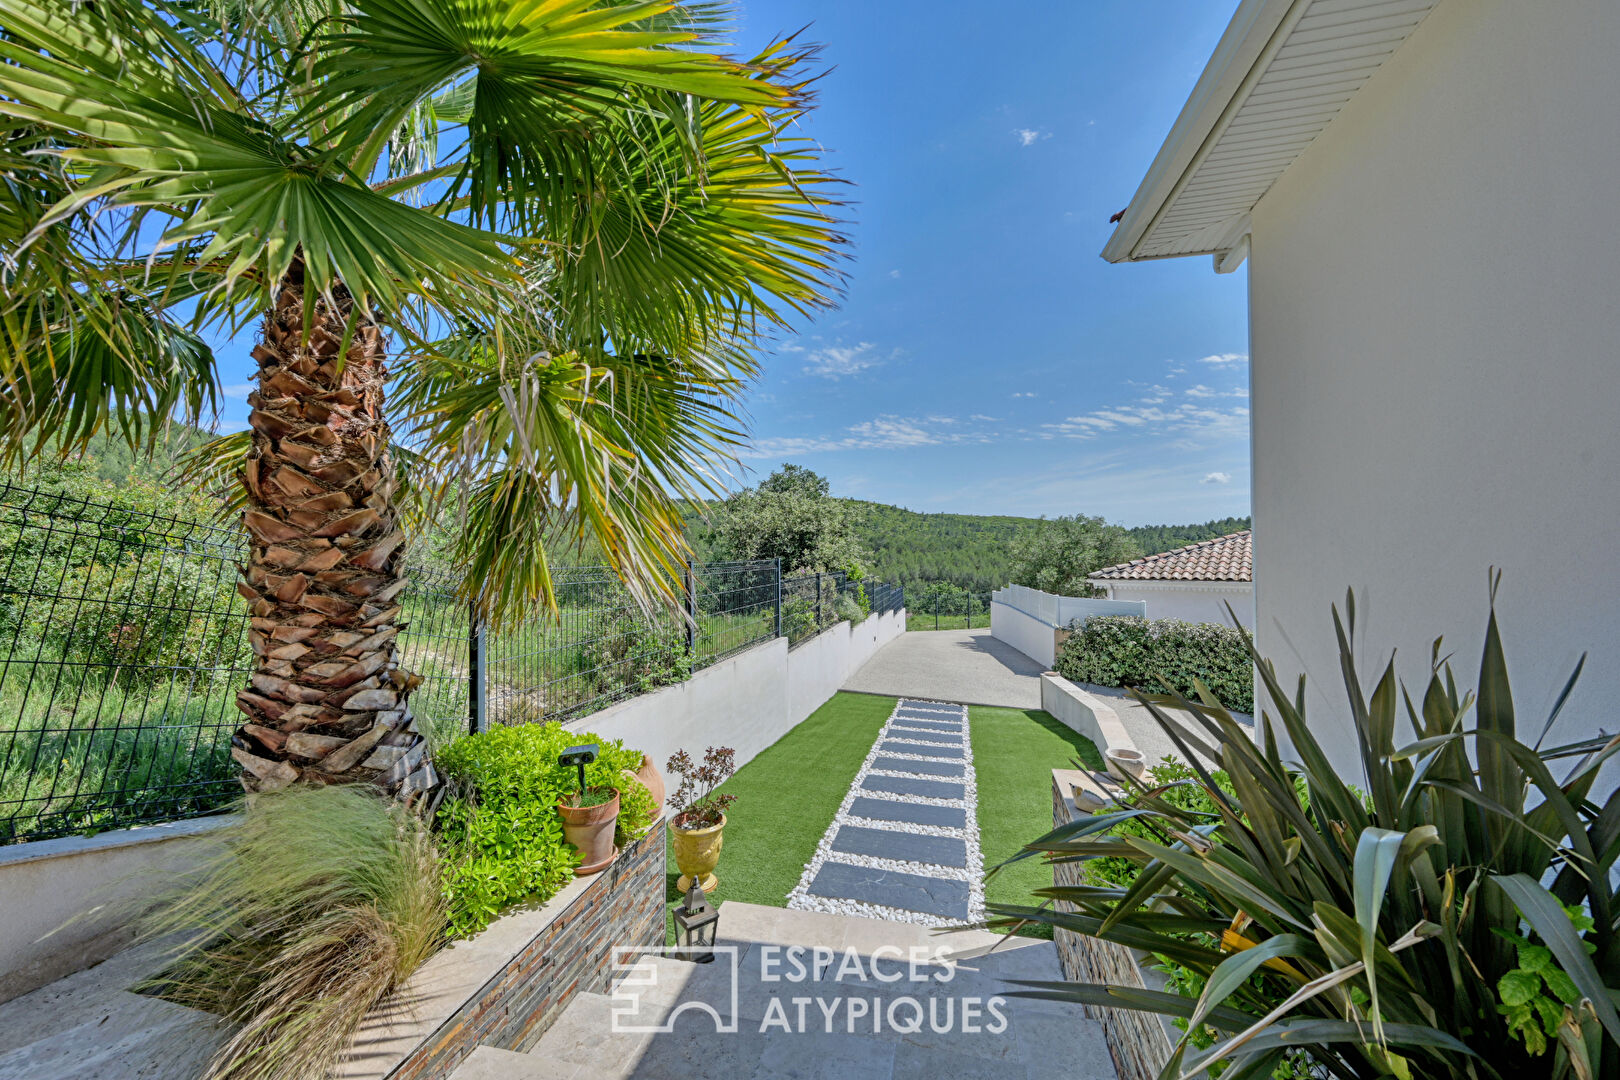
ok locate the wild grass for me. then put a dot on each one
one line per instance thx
(320, 902)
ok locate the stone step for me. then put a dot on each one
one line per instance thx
(925, 725)
(488, 1063)
(924, 735)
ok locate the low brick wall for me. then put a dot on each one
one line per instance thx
(623, 905)
(1137, 1041)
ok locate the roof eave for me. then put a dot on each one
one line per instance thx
(1218, 89)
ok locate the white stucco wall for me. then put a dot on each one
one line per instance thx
(1026, 618)
(1188, 601)
(1434, 321)
(746, 702)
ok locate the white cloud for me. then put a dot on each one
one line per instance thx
(1225, 360)
(1216, 478)
(1024, 393)
(983, 418)
(237, 391)
(887, 432)
(1188, 418)
(1030, 136)
(894, 273)
(1202, 391)
(841, 361)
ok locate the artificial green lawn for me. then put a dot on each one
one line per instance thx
(786, 798)
(1014, 753)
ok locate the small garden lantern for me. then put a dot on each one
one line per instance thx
(695, 923)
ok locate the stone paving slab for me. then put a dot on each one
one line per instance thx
(901, 846)
(890, 747)
(907, 785)
(945, 897)
(926, 725)
(923, 768)
(950, 817)
(943, 738)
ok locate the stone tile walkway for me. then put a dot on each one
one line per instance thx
(904, 844)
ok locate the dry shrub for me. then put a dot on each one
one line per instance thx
(321, 902)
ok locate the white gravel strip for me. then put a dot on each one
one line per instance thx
(801, 899)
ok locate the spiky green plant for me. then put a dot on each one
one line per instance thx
(319, 903)
(1372, 930)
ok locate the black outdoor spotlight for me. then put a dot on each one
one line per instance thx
(695, 924)
(580, 756)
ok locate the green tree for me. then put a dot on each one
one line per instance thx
(561, 220)
(789, 516)
(1055, 556)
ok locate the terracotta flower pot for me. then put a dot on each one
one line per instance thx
(697, 852)
(652, 780)
(590, 829)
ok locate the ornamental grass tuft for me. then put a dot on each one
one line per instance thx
(319, 903)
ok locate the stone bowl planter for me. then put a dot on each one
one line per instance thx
(1125, 762)
(697, 853)
(590, 829)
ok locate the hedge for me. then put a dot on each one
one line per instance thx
(1127, 650)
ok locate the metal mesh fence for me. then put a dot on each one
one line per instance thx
(123, 643)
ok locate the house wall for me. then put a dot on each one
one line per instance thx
(1188, 602)
(1433, 290)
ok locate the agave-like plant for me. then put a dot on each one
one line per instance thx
(1457, 918)
(563, 221)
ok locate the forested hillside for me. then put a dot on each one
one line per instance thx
(973, 550)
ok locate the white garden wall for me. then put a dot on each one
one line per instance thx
(1027, 618)
(748, 701)
(1196, 602)
(1433, 323)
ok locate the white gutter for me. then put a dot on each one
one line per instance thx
(1257, 30)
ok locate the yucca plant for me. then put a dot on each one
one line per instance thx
(564, 221)
(1457, 918)
(319, 902)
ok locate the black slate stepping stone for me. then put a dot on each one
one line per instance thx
(929, 725)
(903, 847)
(945, 897)
(950, 817)
(898, 732)
(905, 785)
(920, 749)
(920, 768)
(930, 714)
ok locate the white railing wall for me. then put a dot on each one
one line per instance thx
(1028, 619)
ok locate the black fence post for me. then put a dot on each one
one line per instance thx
(477, 698)
(777, 570)
(691, 610)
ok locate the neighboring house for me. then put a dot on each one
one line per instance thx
(1425, 194)
(1194, 583)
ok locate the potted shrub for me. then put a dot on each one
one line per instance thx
(697, 829)
(589, 819)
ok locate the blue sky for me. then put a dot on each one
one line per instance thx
(984, 358)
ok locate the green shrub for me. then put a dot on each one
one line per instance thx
(499, 830)
(1126, 650)
(1391, 932)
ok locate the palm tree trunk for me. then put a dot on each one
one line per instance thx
(327, 702)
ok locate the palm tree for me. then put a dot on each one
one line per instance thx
(567, 220)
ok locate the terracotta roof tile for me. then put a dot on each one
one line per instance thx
(1225, 558)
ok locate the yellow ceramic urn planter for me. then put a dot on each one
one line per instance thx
(697, 853)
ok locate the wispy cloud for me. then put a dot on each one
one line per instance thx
(842, 361)
(1225, 359)
(1202, 391)
(1023, 393)
(1030, 136)
(1187, 418)
(887, 432)
(237, 391)
(894, 273)
(1216, 478)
